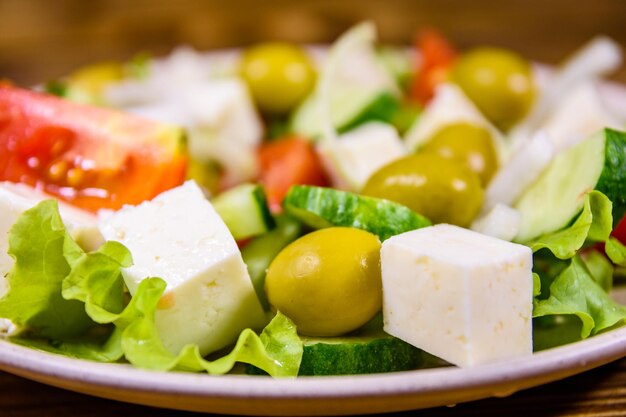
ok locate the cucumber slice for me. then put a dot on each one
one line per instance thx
(367, 351)
(259, 253)
(599, 163)
(245, 211)
(359, 354)
(320, 207)
(349, 108)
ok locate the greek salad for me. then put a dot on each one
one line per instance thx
(282, 210)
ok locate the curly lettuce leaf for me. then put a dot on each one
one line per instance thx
(594, 224)
(50, 265)
(96, 280)
(616, 251)
(34, 301)
(600, 267)
(575, 292)
(278, 350)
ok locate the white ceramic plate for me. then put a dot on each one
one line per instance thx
(258, 395)
(363, 394)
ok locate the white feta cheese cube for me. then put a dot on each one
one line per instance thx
(352, 158)
(457, 294)
(17, 198)
(179, 237)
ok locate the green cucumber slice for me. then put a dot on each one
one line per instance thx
(597, 163)
(320, 207)
(245, 211)
(366, 351)
(358, 355)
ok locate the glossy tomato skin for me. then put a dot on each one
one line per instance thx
(285, 162)
(92, 157)
(436, 57)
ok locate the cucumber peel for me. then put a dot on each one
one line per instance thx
(245, 211)
(557, 197)
(320, 207)
(366, 351)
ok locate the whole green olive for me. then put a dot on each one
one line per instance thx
(498, 81)
(279, 75)
(328, 281)
(466, 143)
(439, 188)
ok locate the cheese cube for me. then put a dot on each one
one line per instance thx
(179, 237)
(17, 198)
(457, 294)
(352, 158)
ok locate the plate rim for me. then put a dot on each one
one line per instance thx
(496, 379)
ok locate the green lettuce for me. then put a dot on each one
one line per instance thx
(574, 282)
(592, 225)
(34, 299)
(575, 292)
(615, 251)
(104, 327)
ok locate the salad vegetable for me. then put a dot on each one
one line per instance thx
(323, 226)
(93, 157)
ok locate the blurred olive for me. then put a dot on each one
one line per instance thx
(498, 81)
(279, 76)
(468, 144)
(439, 188)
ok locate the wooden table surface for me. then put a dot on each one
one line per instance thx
(599, 393)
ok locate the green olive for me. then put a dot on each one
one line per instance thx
(498, 81)
(279, 75)
(466, 143)
(328, 281)
(441, 189)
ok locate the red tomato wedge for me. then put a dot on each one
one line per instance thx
(91, 157)
(436, 58)
(286, 162)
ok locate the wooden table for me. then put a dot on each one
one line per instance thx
(598, 393)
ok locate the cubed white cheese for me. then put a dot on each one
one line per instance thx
(179, 237)
(353, 157)
(457, 294)
(17, 198)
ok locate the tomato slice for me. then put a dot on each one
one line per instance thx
(436, 58)
(286, 162)
(92, 157)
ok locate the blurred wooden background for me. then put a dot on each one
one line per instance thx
(42, 39)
